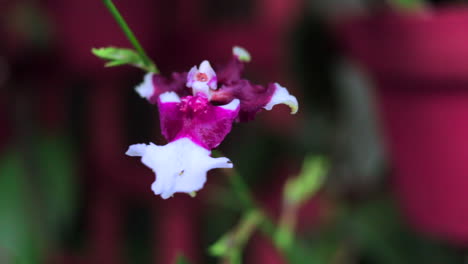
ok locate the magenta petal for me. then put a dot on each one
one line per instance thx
(171, 119)
(252, 97)
(195, 118)
(176, 83)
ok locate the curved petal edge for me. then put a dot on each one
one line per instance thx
(282, 96)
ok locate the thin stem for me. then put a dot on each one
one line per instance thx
(239, 236)
(130, 36)
(284, 236)
(242, 190)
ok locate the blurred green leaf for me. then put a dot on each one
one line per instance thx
(380, 235)
(181, 260)
(12, 200)
(19, 237)
(408, 4)
(121, 56)
(225, 248)
(221, 247)
(309, 181)
(57, 168)
(324, 245)
(370, 232)
(231, 245)
(374, 227)
(37, 196)
(320, 252)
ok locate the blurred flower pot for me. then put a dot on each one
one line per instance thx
(419, 63)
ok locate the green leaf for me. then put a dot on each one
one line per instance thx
(309, 181)
(19, 237)
(383, 237)
(319, 252)
(408, 4)
(231, 245)
(221, 247)
(35, 204)
(122, 56)
(181, 260)
(57, 168)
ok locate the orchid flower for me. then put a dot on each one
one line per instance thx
(197, 110)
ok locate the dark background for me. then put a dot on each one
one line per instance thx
(394, 134)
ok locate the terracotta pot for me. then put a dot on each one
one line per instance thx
(419, 65)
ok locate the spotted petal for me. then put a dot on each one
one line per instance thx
(254, 98)
(196, 118)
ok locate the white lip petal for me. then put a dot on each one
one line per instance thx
(222, 163)
(136, 150)
(146, 88)
(282, 96)
(180, 166)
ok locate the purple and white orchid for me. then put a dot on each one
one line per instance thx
(197, 110)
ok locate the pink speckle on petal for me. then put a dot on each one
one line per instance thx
(194, 104)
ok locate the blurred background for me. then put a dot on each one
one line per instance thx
(383, 93)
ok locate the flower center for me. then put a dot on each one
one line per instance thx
(201, 77)
(194, 104)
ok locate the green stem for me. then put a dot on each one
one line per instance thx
(130, 36)
(284, 237)
(242, 190)
(245, 196)
(247, 226)
(240, 235)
